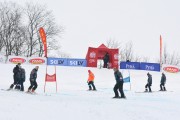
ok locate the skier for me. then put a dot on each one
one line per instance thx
(16, 76)
(106, 60)
(163, 82)
(91, 80)
(22, 78)
(33, 82)
(119, 84)
(149, 82)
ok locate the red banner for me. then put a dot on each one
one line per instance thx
(50, 78)
(17, 59)
(43, 38)
(171, 69)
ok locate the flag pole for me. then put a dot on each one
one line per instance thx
(160, 52)
(129, 79)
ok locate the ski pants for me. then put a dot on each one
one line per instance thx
(119, 86)
(21, 85)
(162, 87)
(148, 86)
(105, 65)
(91, 83)
(33, 85)
(14, 83)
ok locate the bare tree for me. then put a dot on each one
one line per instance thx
(113, 44)
(125, 51)
(1, 31)
(1, 27)
(10, 21)
(128, 51)
(165, 55)
(19, 29)
(170, 58)
(174, 58)
(38, 16)
(20, 42)
(136, 58)
(1, 41)
(145, 59)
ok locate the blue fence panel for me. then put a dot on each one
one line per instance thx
(127, 79)
(57, 61)
(77, 62)
(130, 65)
(150, 66)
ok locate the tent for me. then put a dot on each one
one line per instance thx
(94, 54)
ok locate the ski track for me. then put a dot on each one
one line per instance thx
(73, 101)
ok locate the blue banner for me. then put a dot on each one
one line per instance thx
(130, 65)
(77, 62)
(57, 61)
(150, 66)
(127, 79)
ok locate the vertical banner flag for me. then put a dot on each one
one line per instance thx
(43, 38)
(160, 50)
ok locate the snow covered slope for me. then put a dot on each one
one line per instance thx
(74, 102)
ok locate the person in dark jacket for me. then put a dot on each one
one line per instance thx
(149, 83)
(163, 82)
(22, 78)
(16, 76)
(106, 60)
(119, 84)
(33, 77)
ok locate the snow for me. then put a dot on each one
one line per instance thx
(74, 102)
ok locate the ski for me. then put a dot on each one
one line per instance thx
(151, 91)
(6, 89)
(118, 98)
(91, 90)
(143, 92)
(163, 91)
(32, 93)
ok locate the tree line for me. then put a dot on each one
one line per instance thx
(19, 35)
(19, 29)
(126, 52)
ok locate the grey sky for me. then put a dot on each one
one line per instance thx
(92, 22)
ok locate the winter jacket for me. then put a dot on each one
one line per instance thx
(16, 72)
(163, 79)
(33, 74)
(149, 79)
(118, 76)
(106, 58)
(23, 75)
(91, 77)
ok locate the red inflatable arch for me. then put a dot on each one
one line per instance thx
(94, 54)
